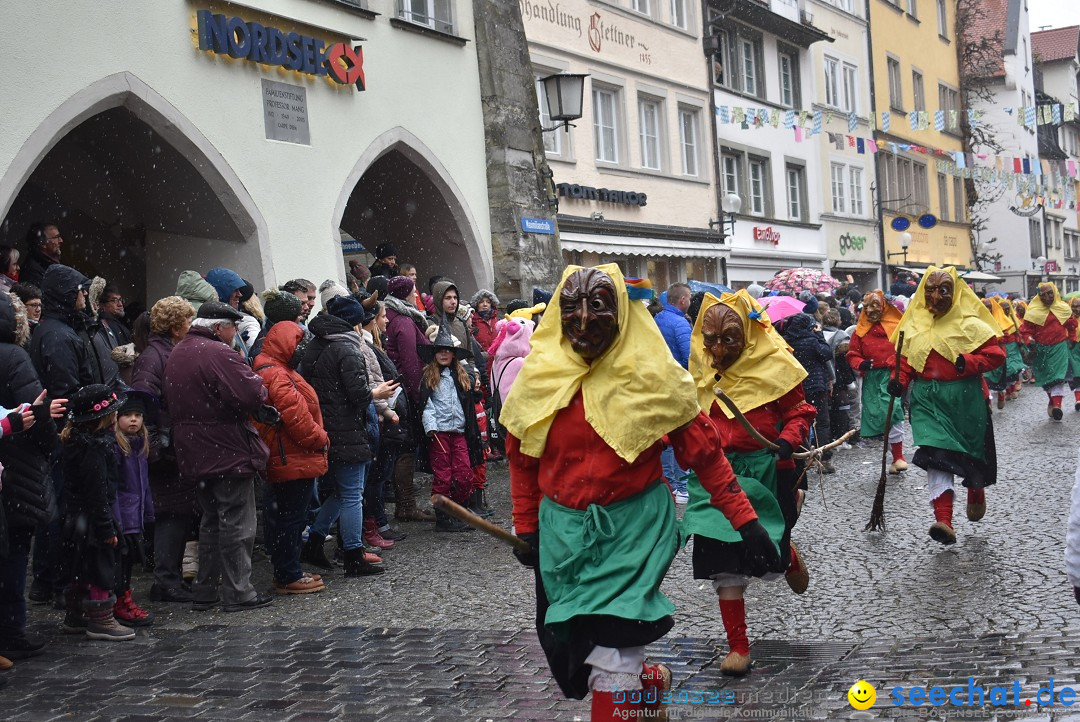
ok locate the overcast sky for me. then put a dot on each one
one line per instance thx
(1055, 13)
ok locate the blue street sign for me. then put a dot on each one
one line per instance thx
(352, 246)
(538, 225)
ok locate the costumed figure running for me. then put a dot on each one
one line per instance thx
(735, 349)
(1014, 352)
(873, 355)
(1074, 353)
(1048, 327)
(585, 419)
(950, 341)
(1004, 377)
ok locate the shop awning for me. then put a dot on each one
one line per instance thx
(630, 246)
(976, 276)
(856, 265)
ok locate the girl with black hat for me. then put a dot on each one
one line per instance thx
(449, 421)
(91, 532)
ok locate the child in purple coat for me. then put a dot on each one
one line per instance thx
(134, 507)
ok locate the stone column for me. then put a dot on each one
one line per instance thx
(517, 171)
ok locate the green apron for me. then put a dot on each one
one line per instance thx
(949, 415)
(1074, 360)
(1051, 363)
(607, 559)
(756, 473)
(1014, 361)
(875, 403)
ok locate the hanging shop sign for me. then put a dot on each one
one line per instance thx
(267, 45)
(767, 235)
(604, 195)
(1026, 205)
(1051, 267)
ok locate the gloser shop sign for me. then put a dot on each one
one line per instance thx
(266, 45)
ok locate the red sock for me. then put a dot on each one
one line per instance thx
(1055, 401)
(1077, 394)
(943, 508)
(898, 451)
(604, 708)
(976, 496)
(733, 612)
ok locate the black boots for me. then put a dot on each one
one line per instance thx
(445, 522)
(355, 566)
(313, 552)
(478, 504)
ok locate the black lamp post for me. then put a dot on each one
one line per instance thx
(565, 93)
(730, 205)
(905, 242)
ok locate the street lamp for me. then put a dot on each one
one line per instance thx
(565, 94)
(730, 205)
(905, 242)
(1040, 265)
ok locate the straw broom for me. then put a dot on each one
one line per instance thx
(877, 514)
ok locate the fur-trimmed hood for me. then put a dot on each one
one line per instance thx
(482, 294)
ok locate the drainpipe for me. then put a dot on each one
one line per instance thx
(877, 166)
(722, 262)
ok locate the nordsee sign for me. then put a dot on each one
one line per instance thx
(538, 225)
(269, 46)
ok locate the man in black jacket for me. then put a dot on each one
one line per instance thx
(25, 458)
(804, 335)
(43, 242)
(62, 358)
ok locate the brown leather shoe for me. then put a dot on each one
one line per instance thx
(797, 575)
(735, 665)
(941, 532)
(6, 663)
(303, 585)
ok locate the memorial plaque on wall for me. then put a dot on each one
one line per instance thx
(285, 112)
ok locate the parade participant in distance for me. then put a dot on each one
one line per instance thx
(1074, 353)
(998, 380)
(873, 355)
(1014, 352)
(735, 348)
(950, 340)
(585, 464)
(1048, 326)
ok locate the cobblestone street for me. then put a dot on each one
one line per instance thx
(446, 633)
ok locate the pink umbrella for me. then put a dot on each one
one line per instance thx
(780, 307)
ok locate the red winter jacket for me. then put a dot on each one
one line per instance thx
(298, 445)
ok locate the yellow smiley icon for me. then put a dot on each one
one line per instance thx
(862, 695)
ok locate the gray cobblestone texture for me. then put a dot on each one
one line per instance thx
(446, 633)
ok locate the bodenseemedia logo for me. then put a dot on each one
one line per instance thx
(862, 695)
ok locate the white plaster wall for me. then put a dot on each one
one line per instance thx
(428, 86)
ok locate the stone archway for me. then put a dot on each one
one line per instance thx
(400, 192)
(139, 192)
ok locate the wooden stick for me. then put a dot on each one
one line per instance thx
(756, 435)
(877, 513)
(457, 511)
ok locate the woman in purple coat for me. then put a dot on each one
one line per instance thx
(404, 336)
(175, 508)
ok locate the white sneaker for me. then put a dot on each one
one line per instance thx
(681, 497)
(846, 446)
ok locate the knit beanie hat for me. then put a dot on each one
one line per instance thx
(280, 306)
(347, 308)
(380, 284)
(330, 288)
(400, 287)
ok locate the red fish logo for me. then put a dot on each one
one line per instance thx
(346, 65)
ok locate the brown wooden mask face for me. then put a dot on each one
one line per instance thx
(1006, 306)
(874, 307)
(1046, 293)
(988, 304)
(1075, 306)
(590, 314)
(939, 293)
(724, 337)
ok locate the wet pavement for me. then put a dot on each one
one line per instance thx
(445, 633)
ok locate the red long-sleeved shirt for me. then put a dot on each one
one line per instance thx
(985, 358)
(875, 346)
(1050, 333)
(790, 413)
(578, 468)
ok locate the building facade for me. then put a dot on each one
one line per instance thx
(634, 177)
(841, 70)
(1007, 224)
(916, 70)
(1058, 61)
(762, 65)
(210, 134)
